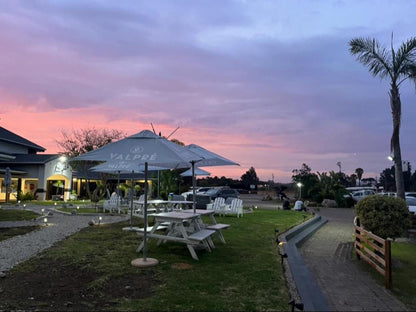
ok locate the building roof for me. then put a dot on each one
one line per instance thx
(30, 159)
(7, 136)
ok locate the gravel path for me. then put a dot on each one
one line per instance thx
(22, 247)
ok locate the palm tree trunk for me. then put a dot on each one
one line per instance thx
(396, 111)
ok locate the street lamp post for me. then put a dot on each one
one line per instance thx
(300, 189)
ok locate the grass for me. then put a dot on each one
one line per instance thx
(403, 272)
(17, 215)
(10, 232)
(243, 275)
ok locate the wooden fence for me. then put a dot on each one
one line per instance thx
(375, 250)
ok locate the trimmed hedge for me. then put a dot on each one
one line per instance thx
(387, 217)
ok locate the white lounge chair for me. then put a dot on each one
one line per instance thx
(216, 205)
(112, 204)
(236, 207)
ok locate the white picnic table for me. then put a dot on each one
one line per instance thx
(214, 225)
(174, 222)
(160, 205)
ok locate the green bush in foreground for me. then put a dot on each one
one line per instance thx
(383, 216)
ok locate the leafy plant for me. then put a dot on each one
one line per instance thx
(383, 216)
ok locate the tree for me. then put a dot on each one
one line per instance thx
(309, 181)
(82, 141)
(387, 179)
(250, 178)
(398, 65)
(359, 172)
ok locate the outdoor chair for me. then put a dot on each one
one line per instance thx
(217, 204)
(236, 207)
(112, 204)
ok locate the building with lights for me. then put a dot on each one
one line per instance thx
(45, 176)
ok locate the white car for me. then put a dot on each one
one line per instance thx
(411, 203)
(199, 191)
(357, 195)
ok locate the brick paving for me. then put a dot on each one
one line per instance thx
(329, 256)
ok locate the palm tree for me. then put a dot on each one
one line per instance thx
(398, 65)
(359, 172)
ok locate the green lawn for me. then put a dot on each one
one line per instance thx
(17, 215)
(243, 275)
(404, 272)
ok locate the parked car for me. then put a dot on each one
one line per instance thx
(411, 203)
(199, 191)
(357, 195)
(222, 192)
(412, 194)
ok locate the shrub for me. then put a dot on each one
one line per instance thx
(383, 216)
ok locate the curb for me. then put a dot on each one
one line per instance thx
(306, 289)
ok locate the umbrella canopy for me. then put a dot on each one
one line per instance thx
(208, 159)
(144, 148)
(119, 167)
(122, 167)
(198, 172)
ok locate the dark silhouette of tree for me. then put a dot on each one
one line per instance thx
(359, 172)
(250, 178)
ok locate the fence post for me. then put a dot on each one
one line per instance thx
(387, 255)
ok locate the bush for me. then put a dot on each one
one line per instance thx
(383, 216)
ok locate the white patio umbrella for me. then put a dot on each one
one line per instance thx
(123, 167)
(144, 148)
(208, 159)
(197, 171)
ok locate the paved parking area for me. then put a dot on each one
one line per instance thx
(329, 256)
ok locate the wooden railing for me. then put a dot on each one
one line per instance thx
(375, 250)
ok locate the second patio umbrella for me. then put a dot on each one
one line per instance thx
(208, 159)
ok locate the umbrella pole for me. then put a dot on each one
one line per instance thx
(193, 185)
(131, 199)
(118, 191)
(145, 213)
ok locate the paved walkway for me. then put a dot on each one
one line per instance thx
(328, 254)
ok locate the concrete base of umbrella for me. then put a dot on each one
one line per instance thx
(139, 262)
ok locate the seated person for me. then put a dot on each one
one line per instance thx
(298, 205)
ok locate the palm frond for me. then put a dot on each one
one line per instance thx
(370, 53)
(406, 59)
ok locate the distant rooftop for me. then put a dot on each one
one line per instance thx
(7, 136)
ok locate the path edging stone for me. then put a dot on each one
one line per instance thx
(307, 289)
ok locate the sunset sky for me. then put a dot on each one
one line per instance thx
(268, 84)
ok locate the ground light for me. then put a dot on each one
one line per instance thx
(45, 221)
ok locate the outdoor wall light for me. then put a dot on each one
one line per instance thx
(45, 221)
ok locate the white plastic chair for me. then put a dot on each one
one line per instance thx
(217, 204)
(236, 207)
